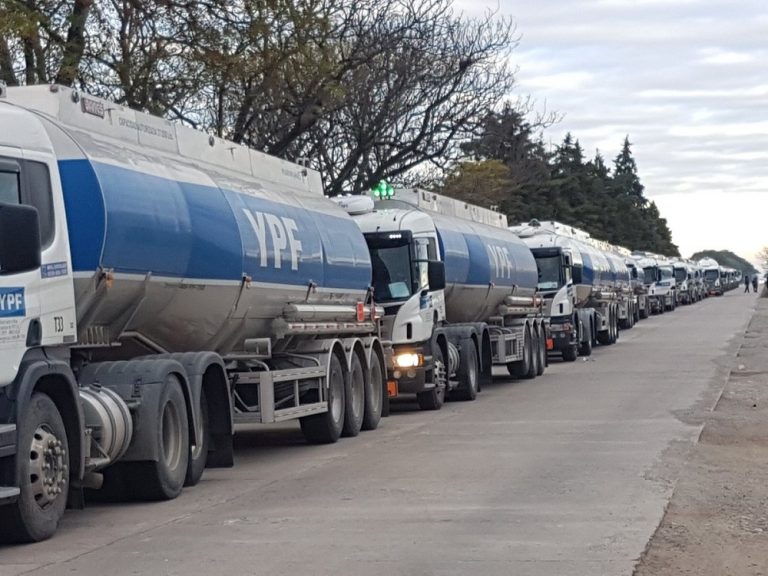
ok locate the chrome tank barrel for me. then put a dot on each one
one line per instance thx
(190, 256)
(484, 265)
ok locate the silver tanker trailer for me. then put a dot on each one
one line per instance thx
(158, 285)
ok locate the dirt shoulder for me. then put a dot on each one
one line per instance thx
(717, 520)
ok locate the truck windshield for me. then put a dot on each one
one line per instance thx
(666, 273)
(711, 274)
(392, 278)
(9, 188)
(649, 275)
(550, 272)
(681, 274)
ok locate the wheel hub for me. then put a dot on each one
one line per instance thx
(47, 467)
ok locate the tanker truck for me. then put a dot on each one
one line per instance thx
(157, 286)
(580, 284)
(458, 291)
(686, 291)
(637, 276)
(659, 277)
(711, 275)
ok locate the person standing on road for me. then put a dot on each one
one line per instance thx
(746, 282)
(754, 283)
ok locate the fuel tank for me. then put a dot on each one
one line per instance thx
(483, 266)
(192, 242)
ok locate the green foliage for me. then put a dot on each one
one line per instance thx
(727, 258)
(514, 173)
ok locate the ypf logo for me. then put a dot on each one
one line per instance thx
(12, 302)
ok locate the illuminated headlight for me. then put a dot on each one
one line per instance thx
(408, 360)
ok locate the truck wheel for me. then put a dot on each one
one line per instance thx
(43, 476)
(374, 394)
(431, 399)
(164, 479)
(467, 373)
(585, 349)
(326, 428)
(520, 368)
(570, 354)
(354, 398)
(198, 454)
(542, 350)
(643, 314)
(533, 367)
(435, 398)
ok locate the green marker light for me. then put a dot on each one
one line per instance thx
(383, 190)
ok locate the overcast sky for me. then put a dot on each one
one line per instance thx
(687, 80)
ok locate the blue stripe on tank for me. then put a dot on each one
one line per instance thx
(84, 207)
(177, 229)
(468, 252)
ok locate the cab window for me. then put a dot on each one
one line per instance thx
(9, 184)
(28, 182)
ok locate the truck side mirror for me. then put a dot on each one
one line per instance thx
(436, 274)
(19, 239)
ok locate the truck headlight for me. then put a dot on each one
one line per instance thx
(408, 360)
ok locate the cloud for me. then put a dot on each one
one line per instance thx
(686, 80)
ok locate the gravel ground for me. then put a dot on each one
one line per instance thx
(717, 520)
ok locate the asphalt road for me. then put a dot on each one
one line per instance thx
(566, 474)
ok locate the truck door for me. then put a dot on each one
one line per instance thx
(31, 178)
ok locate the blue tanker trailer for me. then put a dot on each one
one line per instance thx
(157, 285)
(586, 286)
(458, 291)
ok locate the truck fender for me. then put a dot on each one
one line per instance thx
(139, 383)
(355, 346)
(53, 377)
(321, 350)
(206, 370)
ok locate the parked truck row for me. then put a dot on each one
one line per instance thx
(159, 285)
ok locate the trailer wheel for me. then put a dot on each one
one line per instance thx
(435, 398)
(198, 454)
(468, 372)
(585, 349)
(542, 351)
(164, 479)
(533, 367)
(520, 368)
(374, 394)
(354, 398)
(43, 476)
(326, 428)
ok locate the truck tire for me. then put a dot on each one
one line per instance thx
(571, 353)
(43, 498)
(434, 398)
(164, 479)
(643, 313)
(468, 372)
(585, 349)
(326, 428)
(375, 392)
(533, 367)
(198, 454)
(354, 398)
(520, 368)
(542, 350)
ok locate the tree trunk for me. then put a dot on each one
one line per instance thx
(75, 45)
